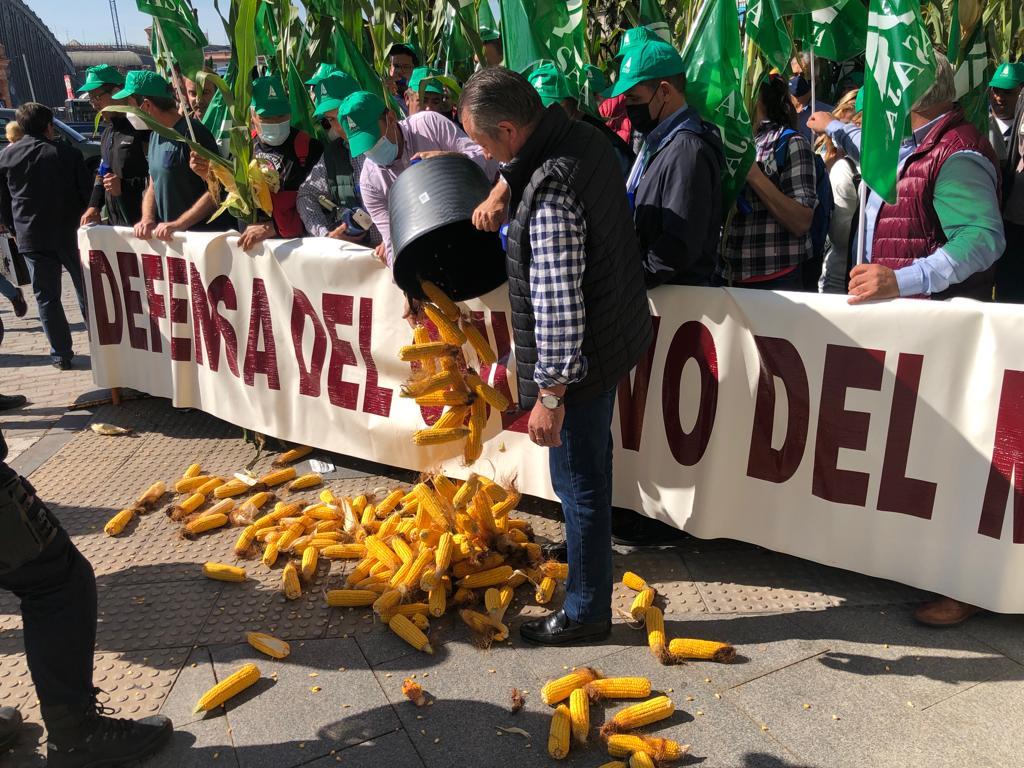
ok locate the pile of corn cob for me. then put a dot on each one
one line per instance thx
(571, 722)
(442, 377)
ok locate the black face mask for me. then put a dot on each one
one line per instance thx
(640, 116)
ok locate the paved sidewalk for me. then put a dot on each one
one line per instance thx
(832, 671)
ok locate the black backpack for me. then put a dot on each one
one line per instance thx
(822, 187)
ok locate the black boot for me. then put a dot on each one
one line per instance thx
(10, 724)
(88, 738)
(632, 529)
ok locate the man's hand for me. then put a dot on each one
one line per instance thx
(430, 153)
(546, 425)
(341, 233)
(492, 212)
(255, 234)
(412, 312)
(381, 254)
(200, 165)
(112, 184)
(165, 230)
(91, 216)
(870, 282)
(144, 229)
(819, 121)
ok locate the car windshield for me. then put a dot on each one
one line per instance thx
(71, 132)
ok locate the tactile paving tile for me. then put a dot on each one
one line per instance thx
(755, 582)
(141, 616)
(847, 588)
(10, 614)
(663, 570)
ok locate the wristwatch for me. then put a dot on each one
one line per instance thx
(551, 402)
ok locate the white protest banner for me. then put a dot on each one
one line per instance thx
(887, 439)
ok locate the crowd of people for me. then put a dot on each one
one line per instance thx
(607, 190)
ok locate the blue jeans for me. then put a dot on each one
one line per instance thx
(7, 289)
(581, 474)
(45, 269)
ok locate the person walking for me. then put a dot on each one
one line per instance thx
(44, 188)
(580, 317)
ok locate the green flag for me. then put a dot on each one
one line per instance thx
(838, 33)
(766, 26)
(487, 24)
(713, 58)
(455, 46)
(266, 32)
(970, 61)
(176, 33)
(217, 117)
(900, 67)
(302, 106)
(350, 61)
(537, 30)
(652, 17)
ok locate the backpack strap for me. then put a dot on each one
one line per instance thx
(302, 147)
(782, 147)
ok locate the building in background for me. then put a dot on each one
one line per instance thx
(36, 62)
(123, 58)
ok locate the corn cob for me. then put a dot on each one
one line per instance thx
(559, 689)
(496, 602)
(421, 621)
(245, 540)
(270, 554)
(188, 506)
(281, 511)
(401, 548)
(682, 648)
(475, 438)
(643, 600)
(453, 417)
(409, 609)
(545, 590)
(416, 570)
(495, 491)
(290, 582)
(408, 631)
(449, 330)
(206, 523)
(619, 688)
(430, 350)
(310, 559)
(344, 551)
(558, 735)
(290, 535)
(388, 601)
(613, 764)
(376, 548)
(436, 600)
(579, 715)
(413, 691)
(350, 598)
(390, 525)
(449, 397)
(278, 476)
(293, 454)
(192, 471)
(533, 551)
(386, 507)
(641, 760)
(210, 486)
(634, 582)
(440, 298)
(661, 750)
(421, 336)
(373, 584)
(230, 686)
(639, 715)
(488, 578)
(493, 397)
(439, 436)
(369, 516)
(221, 572)
(231, 488)
(309, 480)
(484, 352)
(443, 553)
(152, 495)
(464, 596)
(428, 385)
(189, 484)
(655, 620)
(268, 644)
(360, 572)
(433, 505)
(464, 495)
(555, 570)
(118, 522)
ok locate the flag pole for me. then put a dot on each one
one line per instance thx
(862, 223)
(813, 84)
(175, 77)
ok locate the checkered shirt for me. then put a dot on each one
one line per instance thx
(558, 234)
(757, 243)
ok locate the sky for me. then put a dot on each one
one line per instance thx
(88, 21)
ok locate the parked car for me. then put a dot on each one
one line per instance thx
(90, 149)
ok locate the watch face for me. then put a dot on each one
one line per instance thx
(550, 401)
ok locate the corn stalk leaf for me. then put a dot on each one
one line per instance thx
(162, 130)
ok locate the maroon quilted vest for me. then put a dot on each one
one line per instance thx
(910, 229)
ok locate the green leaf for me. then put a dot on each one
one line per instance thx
(167, 133)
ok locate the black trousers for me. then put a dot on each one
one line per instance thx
(1010, 268)
(57, 590)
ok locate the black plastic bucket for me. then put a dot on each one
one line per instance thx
(432, 233)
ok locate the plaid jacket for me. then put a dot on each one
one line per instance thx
(757, 243)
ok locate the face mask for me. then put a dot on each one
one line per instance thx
(402, 85)
(384, 152)
(640, 116)
(137, 122)
(274, 134)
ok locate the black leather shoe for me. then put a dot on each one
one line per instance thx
(19, 304)
(631, 529)
(7, 402)
(559, 629)
(10, 724)
(63, 363)
(555, 550)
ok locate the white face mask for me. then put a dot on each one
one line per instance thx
(274, 134)
(137, 122)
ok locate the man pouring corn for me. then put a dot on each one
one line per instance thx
(580, 317)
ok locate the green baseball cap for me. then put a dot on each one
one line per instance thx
(359, 114)
(424, 73)
(333, 90)
(142, 82)
(322, 72)
(269, 98)
(647, 61)
(1008, 76)
(635, 36)
(858, 104)
(99, 76)
(550, 84)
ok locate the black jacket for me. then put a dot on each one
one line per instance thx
(1010, 175)
(678, 203)
(44, 189)
(618, 319)
(123, 148)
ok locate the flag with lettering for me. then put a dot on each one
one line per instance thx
(837, 33)
(900, 67)
(766, 26)
(457, 51)
(968, 55)
(713, 58)
(536, 30)
(652, 17)
(176, 33)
